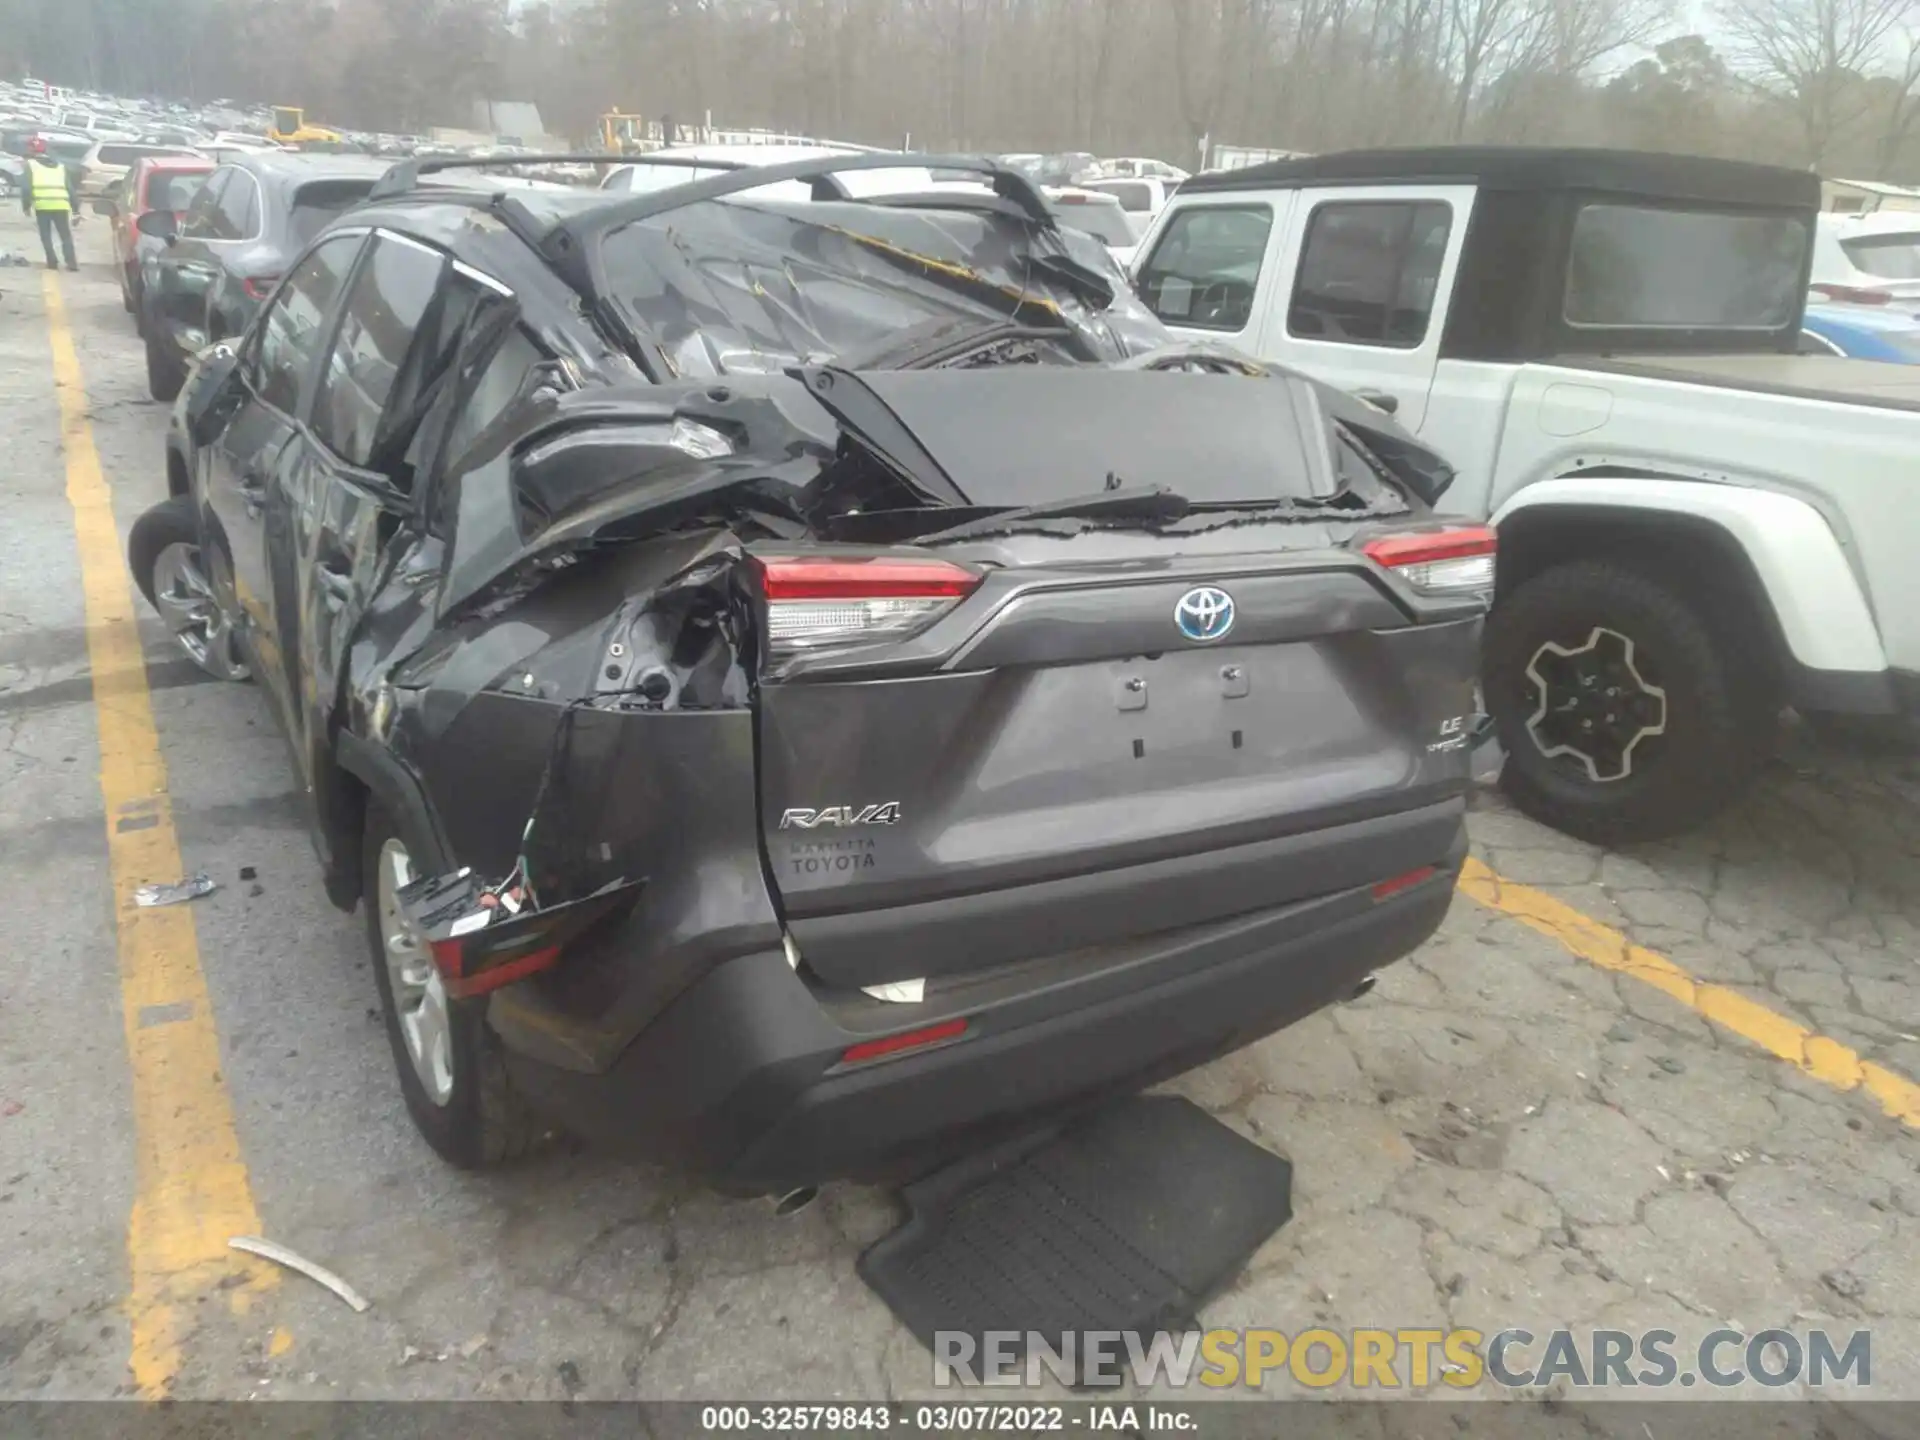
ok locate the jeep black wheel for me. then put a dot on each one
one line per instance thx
(1623, 714)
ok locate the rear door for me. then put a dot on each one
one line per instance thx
(239, 467)
(1368, 272)
(224, 217)
(345, 496)
(180, 269)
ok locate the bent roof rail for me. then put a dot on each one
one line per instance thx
(404, 175)
(570, 249)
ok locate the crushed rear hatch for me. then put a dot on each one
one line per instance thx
(1027, 736)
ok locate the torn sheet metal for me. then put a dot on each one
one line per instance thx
(484, 934)
(319, 1274)
(191, 888)
(899, 992)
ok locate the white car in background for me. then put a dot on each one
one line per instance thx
(1081, 207)
(1139, 167)
(1877, 255)
(647, 173)
(106, 164)
(1143, 198)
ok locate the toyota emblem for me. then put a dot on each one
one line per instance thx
(1204, 613)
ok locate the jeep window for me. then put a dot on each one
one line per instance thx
(383, 310)
(1636, 267)
(1369, 271)
(290, 329)
(1892, 257)
(1203, 272)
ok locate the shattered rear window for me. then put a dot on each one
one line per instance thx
(745, 287)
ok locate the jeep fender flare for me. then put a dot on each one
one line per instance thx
(1823, 616)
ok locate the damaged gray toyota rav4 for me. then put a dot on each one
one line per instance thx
(801, 686)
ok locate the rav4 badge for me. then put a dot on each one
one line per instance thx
(841, 816)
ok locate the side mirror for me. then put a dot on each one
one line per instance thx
(160, 224)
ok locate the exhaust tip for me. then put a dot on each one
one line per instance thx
(794, 1201)
(1363, 989)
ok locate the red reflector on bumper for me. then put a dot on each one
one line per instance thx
(1387, 889)
(450, 958)
(911, 1040)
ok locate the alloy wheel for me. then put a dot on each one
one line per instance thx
(419, 998)
(1593, 706)
(186, 602)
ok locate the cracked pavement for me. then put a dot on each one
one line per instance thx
(1502, 1134)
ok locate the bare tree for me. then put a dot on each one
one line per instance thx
(1832, 81)
(1811, 56)
(1902, 110)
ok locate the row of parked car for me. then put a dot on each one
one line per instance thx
(804, 675)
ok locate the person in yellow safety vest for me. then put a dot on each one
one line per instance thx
(48, 196)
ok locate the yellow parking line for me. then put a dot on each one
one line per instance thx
(1819, 1056)
(192, 1191)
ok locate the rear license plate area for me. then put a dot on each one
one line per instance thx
(1193, 703)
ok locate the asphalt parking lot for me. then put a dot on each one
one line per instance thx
(1667, 1088)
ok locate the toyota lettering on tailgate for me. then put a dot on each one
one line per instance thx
(842, 816)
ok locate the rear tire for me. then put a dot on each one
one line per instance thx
(166, 372)
(479, 1120)
(1694, 709)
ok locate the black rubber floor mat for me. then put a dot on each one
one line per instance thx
(1128, 1220)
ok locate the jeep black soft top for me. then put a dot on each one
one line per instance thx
(1514, 269)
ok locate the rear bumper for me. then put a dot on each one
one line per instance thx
(740, 1080)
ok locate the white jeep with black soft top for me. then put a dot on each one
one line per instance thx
(1698, 527)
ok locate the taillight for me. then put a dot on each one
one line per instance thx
(817, 602)
(483, 936)
(258, 287)
(1439, 562)
(467, 974)
(869, 1050)
(1853, 294)
(1387, 889)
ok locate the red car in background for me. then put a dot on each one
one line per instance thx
(157, 182)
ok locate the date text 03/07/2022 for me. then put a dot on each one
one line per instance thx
(945, 1419)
